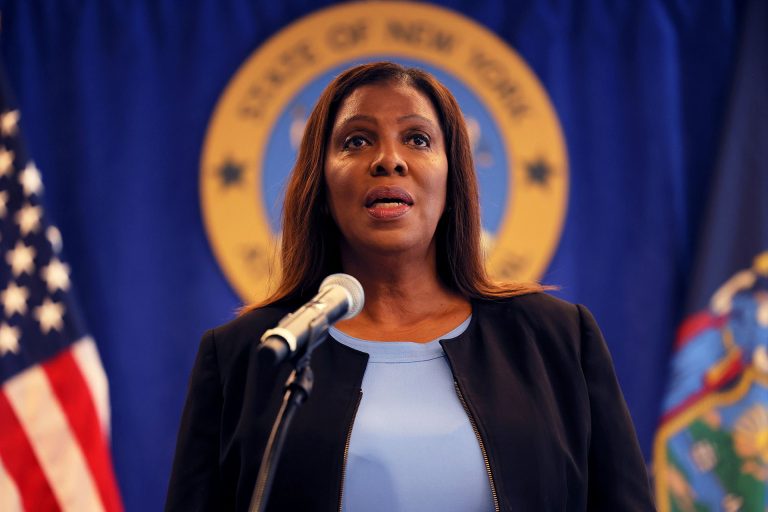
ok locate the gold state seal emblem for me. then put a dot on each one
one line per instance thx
(252, 136)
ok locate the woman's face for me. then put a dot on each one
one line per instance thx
(386, 170)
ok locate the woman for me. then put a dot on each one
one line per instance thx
(473, 396)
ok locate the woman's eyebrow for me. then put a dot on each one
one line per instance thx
(356, 117)
(417, 117)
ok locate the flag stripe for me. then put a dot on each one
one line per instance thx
(87, 356)
(69, 385)
(10, 500)
(21, 463)
(695, 325)
(40, 414)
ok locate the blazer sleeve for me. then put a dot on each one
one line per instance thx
(618, 478)
(195, 482)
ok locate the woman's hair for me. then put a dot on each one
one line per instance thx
(310, 239)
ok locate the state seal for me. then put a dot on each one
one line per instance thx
(253, 135)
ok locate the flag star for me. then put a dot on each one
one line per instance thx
(9, 122)
(9, 339)
(50, 315)
(6, 162)
(14, 299)
(21, 259)
(54, 237)
(56, 274)
(30, 179)
(3, 203)
(28, 218)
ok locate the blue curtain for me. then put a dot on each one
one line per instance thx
(116, 98)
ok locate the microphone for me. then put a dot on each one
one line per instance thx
(340, 297)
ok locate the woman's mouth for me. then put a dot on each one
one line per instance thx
(388, 202)
(385, 209)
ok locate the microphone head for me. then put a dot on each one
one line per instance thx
(353, 288)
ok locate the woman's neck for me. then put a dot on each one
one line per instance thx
(403, 301)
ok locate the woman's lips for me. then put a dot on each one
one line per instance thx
(388, 210)
(384, 202)
(387, 194)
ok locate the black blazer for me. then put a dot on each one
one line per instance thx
(534, 372)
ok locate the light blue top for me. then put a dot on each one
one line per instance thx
(412, 446)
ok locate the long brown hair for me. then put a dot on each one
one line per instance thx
(310, 239)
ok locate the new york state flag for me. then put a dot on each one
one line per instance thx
(711, 449)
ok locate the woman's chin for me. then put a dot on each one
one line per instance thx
(389, 244)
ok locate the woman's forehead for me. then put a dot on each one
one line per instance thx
(373, 102)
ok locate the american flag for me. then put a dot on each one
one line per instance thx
(54, 403)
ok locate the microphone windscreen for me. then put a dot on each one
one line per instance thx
(353, 288)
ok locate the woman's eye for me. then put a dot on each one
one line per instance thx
(419, 140)
(354, 142)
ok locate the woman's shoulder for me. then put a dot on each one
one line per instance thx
(553, 322)
(538, 312)
(243, 332)
(534, 306)
(535, 322)
(251, 321)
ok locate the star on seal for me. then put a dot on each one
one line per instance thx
(539, 172)
(230, 173)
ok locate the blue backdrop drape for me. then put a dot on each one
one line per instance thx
(115, 100)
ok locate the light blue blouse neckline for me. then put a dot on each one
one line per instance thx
(399, 351)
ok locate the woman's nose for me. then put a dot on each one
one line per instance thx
(388, 161)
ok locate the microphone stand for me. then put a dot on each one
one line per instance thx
(298, 386)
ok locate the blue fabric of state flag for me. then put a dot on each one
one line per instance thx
(710, 452)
